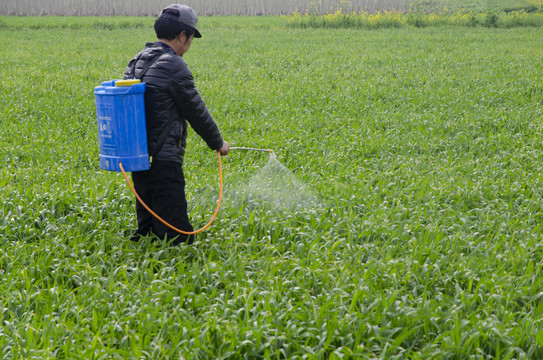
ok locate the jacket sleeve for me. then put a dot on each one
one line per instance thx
(192, 107)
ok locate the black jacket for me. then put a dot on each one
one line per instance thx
(170, 94)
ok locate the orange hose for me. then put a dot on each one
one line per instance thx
(164, 221)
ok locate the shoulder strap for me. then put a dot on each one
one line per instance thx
(149, 64)
(169, 124)
(165, 131)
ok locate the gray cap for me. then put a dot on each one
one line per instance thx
(186, 16)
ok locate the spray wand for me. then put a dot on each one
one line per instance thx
(272, 155)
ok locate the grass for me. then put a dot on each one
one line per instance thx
(423, 146)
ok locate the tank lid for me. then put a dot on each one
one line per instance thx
(127, 82)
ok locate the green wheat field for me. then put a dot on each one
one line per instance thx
(402, 218)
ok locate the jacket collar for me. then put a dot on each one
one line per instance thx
(160, 45)
(166, 47)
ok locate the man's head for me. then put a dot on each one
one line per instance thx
(176, 26)
(174, 19)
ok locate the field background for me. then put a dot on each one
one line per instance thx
(245, 7)
(423, 147)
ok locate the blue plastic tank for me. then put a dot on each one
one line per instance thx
(122, 135)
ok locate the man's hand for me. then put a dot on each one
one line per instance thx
(225, 148)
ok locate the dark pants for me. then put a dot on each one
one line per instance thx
(162, 188)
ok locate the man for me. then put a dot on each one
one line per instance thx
(171, 100)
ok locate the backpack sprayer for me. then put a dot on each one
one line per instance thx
(122, 136)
